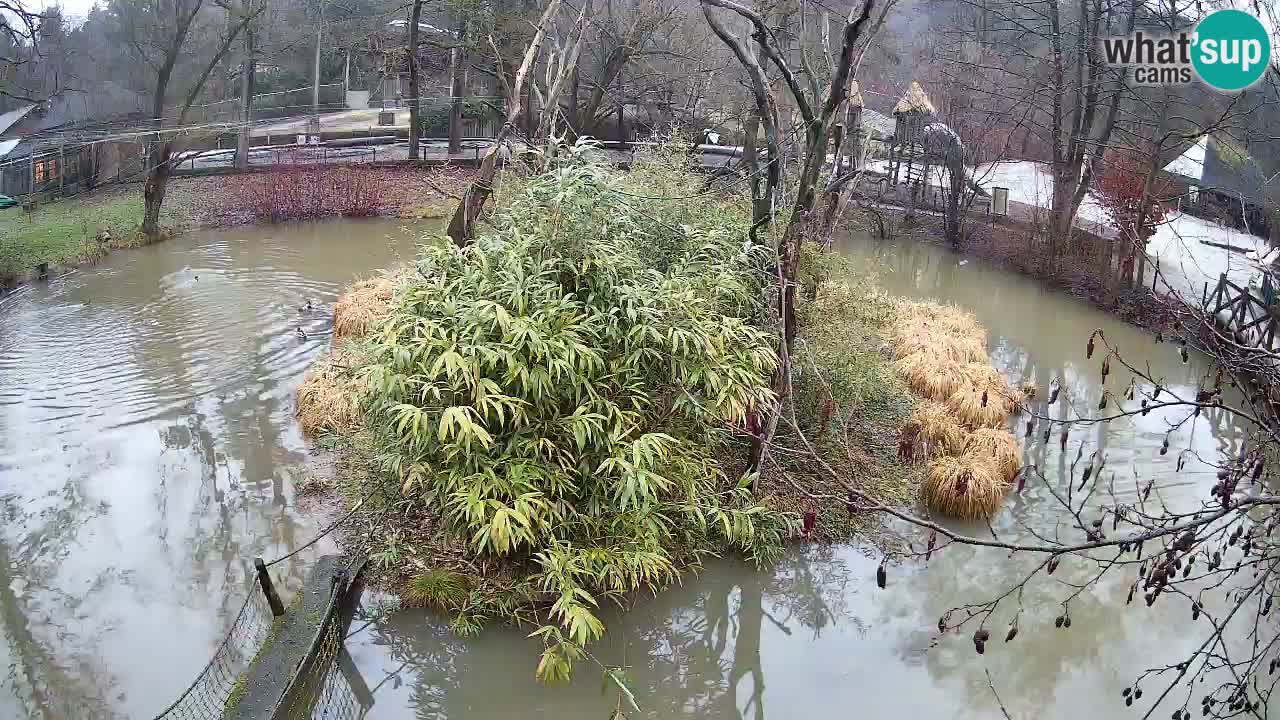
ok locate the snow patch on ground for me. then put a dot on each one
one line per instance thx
(1187, 264)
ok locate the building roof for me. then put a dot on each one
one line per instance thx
(1190, 164)
(7, 146)
(914, 100)
(1230, 170)
(11, 118)
(877, 124)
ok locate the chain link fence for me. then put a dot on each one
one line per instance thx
(334, 690)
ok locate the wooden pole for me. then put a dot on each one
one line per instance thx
(268, 588)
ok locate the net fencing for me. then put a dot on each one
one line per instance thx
(325, 684)
(217, 686)
(273, 105)
(333, 690)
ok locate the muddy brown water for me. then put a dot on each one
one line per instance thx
(148, 452)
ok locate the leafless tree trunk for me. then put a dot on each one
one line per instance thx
(818, 125)
(462, 224)
(174, 39)
(1083, 113)
(457, 86)
(248, 69)
(562, 62)
(415, 103)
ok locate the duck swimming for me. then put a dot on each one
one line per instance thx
(302, 335)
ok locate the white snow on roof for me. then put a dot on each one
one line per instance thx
(421, 26)
(1189, 164)
(11, 118)
(7, 146)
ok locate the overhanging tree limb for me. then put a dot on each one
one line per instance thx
(768, 42)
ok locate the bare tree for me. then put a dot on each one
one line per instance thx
(624, 32)
(248, 73)
(462, 223)
(561, 63)
(415, 99)
(159, 33)
(1054, 63)
(457, 87)
(817, 127)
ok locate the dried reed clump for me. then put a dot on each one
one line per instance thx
(932, 423)
(941, 352)
(948, 318)
(931, 375)
(361, 307)
(980, 407)
(999, 447)
(329, 397)
(985, 376)
(913, 336)
(968, 487)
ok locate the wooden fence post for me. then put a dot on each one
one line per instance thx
(268, 588)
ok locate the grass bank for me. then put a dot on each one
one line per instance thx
(82, 229)
(70, 232)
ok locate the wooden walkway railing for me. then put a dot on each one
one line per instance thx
(1251, 317)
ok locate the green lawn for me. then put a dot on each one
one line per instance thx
(64, 231)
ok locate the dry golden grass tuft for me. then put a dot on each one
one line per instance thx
(933, 424)
(915, 334)
(931, 375)
(999, 447)
(946, 318)
(980, 407)
(941, 352)
(362, 306)
(329, 397)
(967, 487)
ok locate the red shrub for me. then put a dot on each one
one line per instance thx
(1120, 192)
(301, 192)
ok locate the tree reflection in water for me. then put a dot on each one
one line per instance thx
(691, 651)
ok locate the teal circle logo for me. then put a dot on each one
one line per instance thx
(1232, 50)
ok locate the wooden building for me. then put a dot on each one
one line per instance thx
(49, 149)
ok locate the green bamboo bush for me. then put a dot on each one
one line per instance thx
(562, 393)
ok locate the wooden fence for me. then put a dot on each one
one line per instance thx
(1251, 317)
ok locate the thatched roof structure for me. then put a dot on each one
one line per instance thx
(914, 101)
(855, 94)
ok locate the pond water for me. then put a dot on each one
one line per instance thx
(148, 451)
